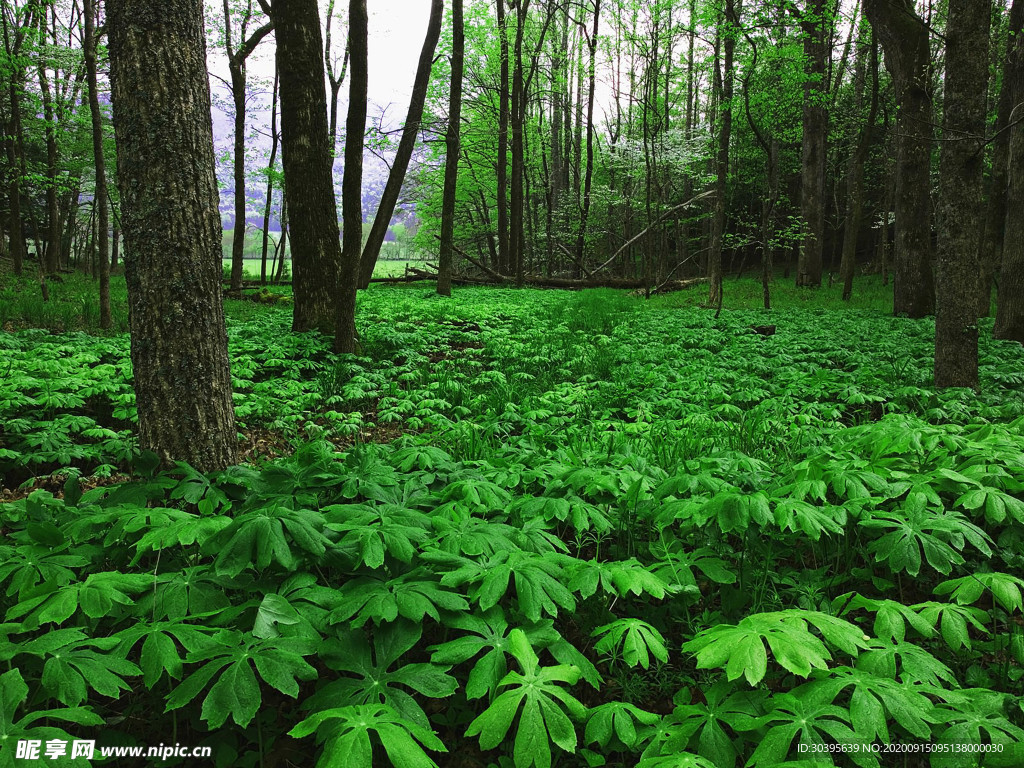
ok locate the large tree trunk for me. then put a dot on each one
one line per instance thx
(451, 160)
(172, 230)
(1010, 298)
(98, 160)
(960, 186)
(406, 145)
(904, 39)
(352, 184)
(995, 216)
(308, 161)
(815, 128)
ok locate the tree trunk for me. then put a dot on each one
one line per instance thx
(12, 129)
(307, 160)
(815, 128)
(515, 251)
(406, 145)
(961, 166)
(904, 39)
(334, 78)
(50, 258)
(722, 157)
(171, 222)
(352, 184)
(855, 171)
(98, 160)
(1010, 298)
(115, 246)
(588, 173)
(504, 96)
(451, 160)
(275, 138)
(236, 68)
(995, 216)
(238, 231)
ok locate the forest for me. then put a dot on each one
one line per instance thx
(644, 386)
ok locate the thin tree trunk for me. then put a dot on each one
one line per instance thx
(516, 266)
(334, 78)
(995, 216)
(504, 96)
(588, 174)
(855, 171)
(98, 160)
(815, 127)
(1010, 298)
(406, 145)
(352, 183)
(961, 167)
(451, 161)
(236, 68)
(50, 260)
(725, 75)
(274, 141)
(12, 130)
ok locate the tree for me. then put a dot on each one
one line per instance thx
(49, 258)
(959, 205)
(90, 43)
(172, 231)
(724, 78)
(14, 38)
(815, 120)
(335, 74)
(451, 160)
(308, 162)
(352, 183)
(272, 173)
(504, 97)
(991, 253)
(1010, 300)
(588, 174)
(236, 67)
(855, 169)
(904, 39)
(413, 119)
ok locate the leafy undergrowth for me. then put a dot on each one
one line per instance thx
(609, 533)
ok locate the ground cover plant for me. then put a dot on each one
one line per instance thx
(525, 528)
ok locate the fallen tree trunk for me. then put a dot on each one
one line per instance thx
(537, 281)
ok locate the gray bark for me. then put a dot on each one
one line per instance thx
(959, 207)
(171, 223)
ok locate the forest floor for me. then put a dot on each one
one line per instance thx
(524, 527)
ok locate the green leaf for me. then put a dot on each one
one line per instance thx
(546, 708)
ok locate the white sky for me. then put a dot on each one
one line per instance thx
(395, 38)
